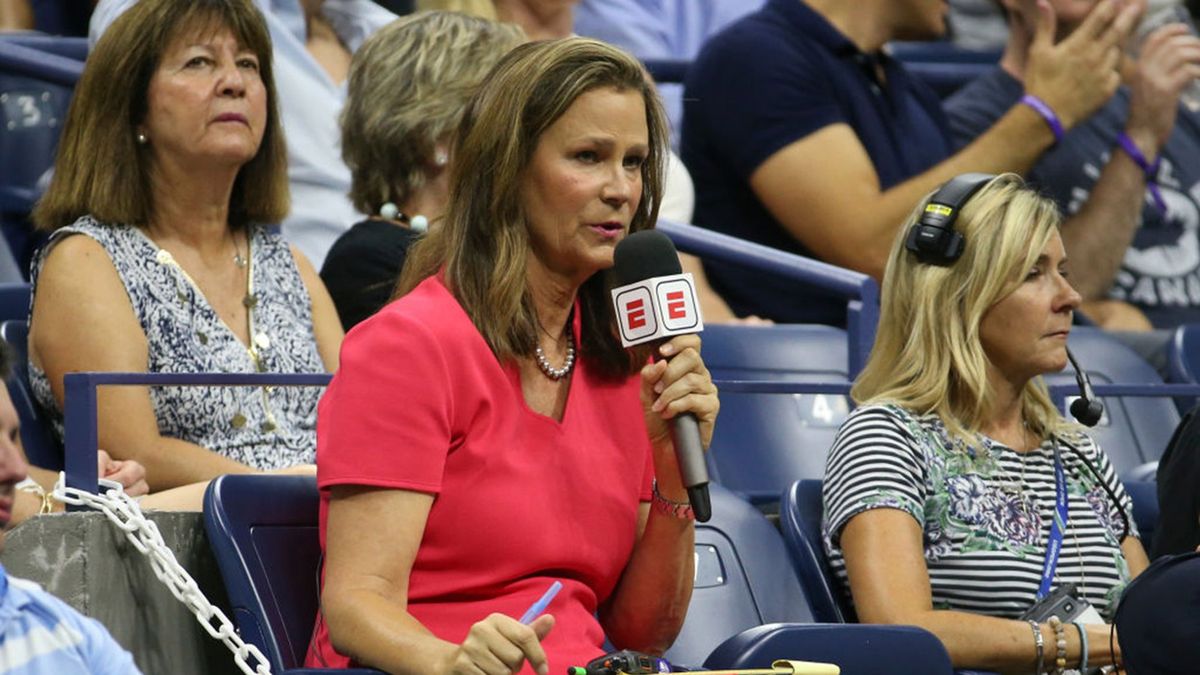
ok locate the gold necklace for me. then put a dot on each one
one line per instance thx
(257, 341)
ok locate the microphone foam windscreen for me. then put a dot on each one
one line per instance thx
(643, 255)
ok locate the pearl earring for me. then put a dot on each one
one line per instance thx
(419, 224)
(389, 211)
(441, 158)
(141, 138)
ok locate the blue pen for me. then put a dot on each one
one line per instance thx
(540, 606)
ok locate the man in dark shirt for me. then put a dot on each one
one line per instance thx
(1142, 256)
(801, 133)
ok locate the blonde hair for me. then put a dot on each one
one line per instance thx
(484, 9)
(927, 356)
(483, 242)
(408, 86)
(101, 170)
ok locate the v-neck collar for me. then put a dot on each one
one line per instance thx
(164, 258)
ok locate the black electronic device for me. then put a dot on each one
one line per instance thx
(933, 238)
(1063, 602)
(624, 663)
(1087, 409)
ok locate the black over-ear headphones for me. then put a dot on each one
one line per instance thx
(934, 241)
(933, 238)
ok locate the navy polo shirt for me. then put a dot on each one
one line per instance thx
(765, 82)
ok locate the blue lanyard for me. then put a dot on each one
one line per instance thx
(1054, 544)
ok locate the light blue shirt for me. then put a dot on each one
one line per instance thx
(41, 635)
(309, 104)
(662, 30)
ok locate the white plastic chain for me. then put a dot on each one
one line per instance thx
(127, 515)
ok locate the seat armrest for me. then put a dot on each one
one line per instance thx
(857, 648)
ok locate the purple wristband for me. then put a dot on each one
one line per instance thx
(1150, 169)
(1047, 114)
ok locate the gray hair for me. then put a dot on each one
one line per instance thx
(409, 84)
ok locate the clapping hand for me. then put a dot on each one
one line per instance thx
(1080, 73)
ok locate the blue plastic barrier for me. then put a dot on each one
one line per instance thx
(860, 290)
(80, 416)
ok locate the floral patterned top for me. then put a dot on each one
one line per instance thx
(985, 510)
(266, 428)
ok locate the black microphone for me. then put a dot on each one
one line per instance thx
(646, 255)
(1087, 409)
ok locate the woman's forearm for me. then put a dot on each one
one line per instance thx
(1005, 645)
(649, 604)
(375, 631)
(172, 463)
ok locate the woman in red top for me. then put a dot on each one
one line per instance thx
(486, 434)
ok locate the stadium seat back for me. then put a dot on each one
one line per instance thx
(946, 78)
(15, 297)
(42, 447)
(1183, 361)
(763, 442)
(1144, 494)
(800, 519)
(742, 580)
(1135, 430)
(33, 112)
(37, 79)
(263, 532)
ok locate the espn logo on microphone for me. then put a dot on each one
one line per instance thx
(657, 307)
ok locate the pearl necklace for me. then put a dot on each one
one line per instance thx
(549, 370)
(417, 223)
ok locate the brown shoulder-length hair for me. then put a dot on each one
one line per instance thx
(101, 170)
(483, 243)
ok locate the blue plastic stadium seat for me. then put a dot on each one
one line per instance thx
(1183, 361)
(1135, 430)
(37, 435)
(75, 48)
(800, 520)
(947, 78)
(36, 83)
(15, 297)
(263, 533)
(941, 52)
(33, 106)
(743, 580)
(763, 442)
(856, 649)
(1144, 494)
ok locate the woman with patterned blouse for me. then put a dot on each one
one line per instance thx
(940, 490)
(161, 258)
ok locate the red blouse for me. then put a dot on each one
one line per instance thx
(520, 500)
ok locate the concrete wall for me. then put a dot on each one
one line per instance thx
(85, 560)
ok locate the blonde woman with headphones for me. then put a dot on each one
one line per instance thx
(956, 496)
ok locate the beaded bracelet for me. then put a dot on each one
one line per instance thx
(1083, 647)
(1060, 645)
(1150, 169)
(1040, 643)
(679, 510)
(1042, 108)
